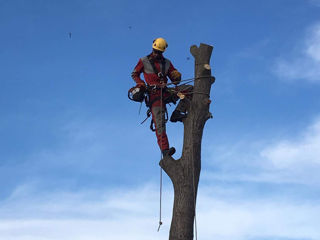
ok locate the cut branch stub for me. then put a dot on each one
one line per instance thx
(194, 51)
(170, 166)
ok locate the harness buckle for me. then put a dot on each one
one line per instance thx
(160, 75)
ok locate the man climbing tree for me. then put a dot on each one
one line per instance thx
(192, 111)
(156, 70)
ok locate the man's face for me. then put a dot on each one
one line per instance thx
(157, 53)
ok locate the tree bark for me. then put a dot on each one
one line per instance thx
(185, 172)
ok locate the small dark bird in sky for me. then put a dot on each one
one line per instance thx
(69, 34)
(130, 27)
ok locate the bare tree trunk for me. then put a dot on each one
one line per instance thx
(185, 172)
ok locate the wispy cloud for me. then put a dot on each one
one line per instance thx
(133, 213)
(304, 64)
(227, 212)
(295, 159)
(106, 214)
(303, 152)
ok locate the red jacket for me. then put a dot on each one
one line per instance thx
(151, 78)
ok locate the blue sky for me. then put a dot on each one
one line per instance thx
(75, 163)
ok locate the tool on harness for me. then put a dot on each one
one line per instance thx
(137, 94)
(148, 115)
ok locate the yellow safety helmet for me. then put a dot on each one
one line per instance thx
(160, 44)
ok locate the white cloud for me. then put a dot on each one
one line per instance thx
(253, 219)
(291, 160)
(112, 214)
(296, 154)
(133, 214)
(225, 213)
(305, 63)
(313, 44)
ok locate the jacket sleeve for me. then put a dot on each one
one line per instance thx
(137, 72)
(172, 73)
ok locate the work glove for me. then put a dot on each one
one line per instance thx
(176, 77)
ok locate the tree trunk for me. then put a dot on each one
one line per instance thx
(185, 172)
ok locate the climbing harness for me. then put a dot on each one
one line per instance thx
(160, 73)
(138, 94)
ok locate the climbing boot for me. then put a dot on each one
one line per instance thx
(169, 152)
(177, 116)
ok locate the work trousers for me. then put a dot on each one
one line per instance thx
(158, 110)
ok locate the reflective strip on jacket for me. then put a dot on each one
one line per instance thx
(144, 66)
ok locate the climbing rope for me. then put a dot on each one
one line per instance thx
(161, 155)
(160, 222)
(194, 203)
(187, 80)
